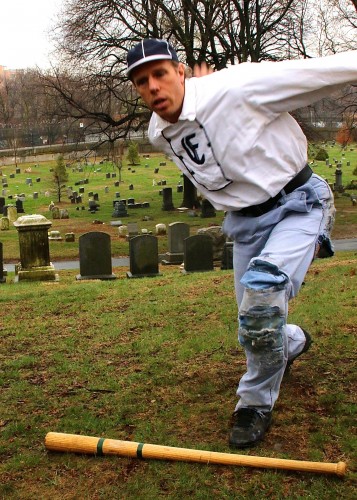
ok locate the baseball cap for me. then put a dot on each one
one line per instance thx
(149, 49)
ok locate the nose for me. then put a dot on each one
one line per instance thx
(153, 85)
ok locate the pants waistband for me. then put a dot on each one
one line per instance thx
(256, 210)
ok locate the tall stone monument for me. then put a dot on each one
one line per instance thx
(35, 262)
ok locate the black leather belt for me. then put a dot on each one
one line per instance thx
(257, 210)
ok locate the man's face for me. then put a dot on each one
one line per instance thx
(161, 86)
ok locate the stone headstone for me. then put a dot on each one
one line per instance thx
(144, 258)
(176, 235)
(207, 209)
(70, 237)
(338, 180)
(4, 224)
(35, 262)
(2, 270)
(19, 206)
(119, 210)
(95, 259)
(227, 256)
(167, 199)
(218, 239)
(11, 213)
(55, 213)
(93, 206)
(64, 214)
(54, 236)
(198, 253)
(132, 229)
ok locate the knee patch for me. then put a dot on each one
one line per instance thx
(262, 314)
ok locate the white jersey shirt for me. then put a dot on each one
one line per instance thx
(235, 138)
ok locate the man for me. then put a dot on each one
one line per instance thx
(231, 133)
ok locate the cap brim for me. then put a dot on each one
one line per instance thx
(156, 57)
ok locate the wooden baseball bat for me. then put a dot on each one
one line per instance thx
(56, 441)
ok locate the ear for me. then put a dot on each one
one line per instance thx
(182, 72)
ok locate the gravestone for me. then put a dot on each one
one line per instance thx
(198, 253)
(69, 237)
(167, 199)
(11, 213)
(19, 206)
(176, 235)
(55, 212)
(218, 239)
(338, 180)
(207, 209)
(119, 210)
(132, 229)
(55, 236)
(93, 206)
(95, 258)
(160, 229)
(2, 270)
(227, 256)
(2, 204)
(35, 262)
(144, 257)
(4, 224)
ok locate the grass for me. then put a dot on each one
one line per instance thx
(156, 360)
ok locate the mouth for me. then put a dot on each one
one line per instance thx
(159, 103)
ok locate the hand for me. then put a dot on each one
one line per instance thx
(202, 70)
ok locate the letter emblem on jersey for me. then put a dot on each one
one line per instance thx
(191, 149)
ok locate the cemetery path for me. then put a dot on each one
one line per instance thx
(344, 244)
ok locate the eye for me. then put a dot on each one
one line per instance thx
(160, 73)
(141, 81)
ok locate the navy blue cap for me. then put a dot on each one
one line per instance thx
(149, 49)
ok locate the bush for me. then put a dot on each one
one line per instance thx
(321, 155)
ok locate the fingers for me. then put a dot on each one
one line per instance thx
(202, 69)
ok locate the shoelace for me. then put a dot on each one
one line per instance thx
(244, 417)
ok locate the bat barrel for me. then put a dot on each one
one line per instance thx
(100, 446)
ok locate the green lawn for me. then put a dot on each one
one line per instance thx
(156, 360)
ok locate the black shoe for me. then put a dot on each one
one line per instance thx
(249, 426)
(308, 342)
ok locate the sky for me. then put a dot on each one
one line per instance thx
(24, 29)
